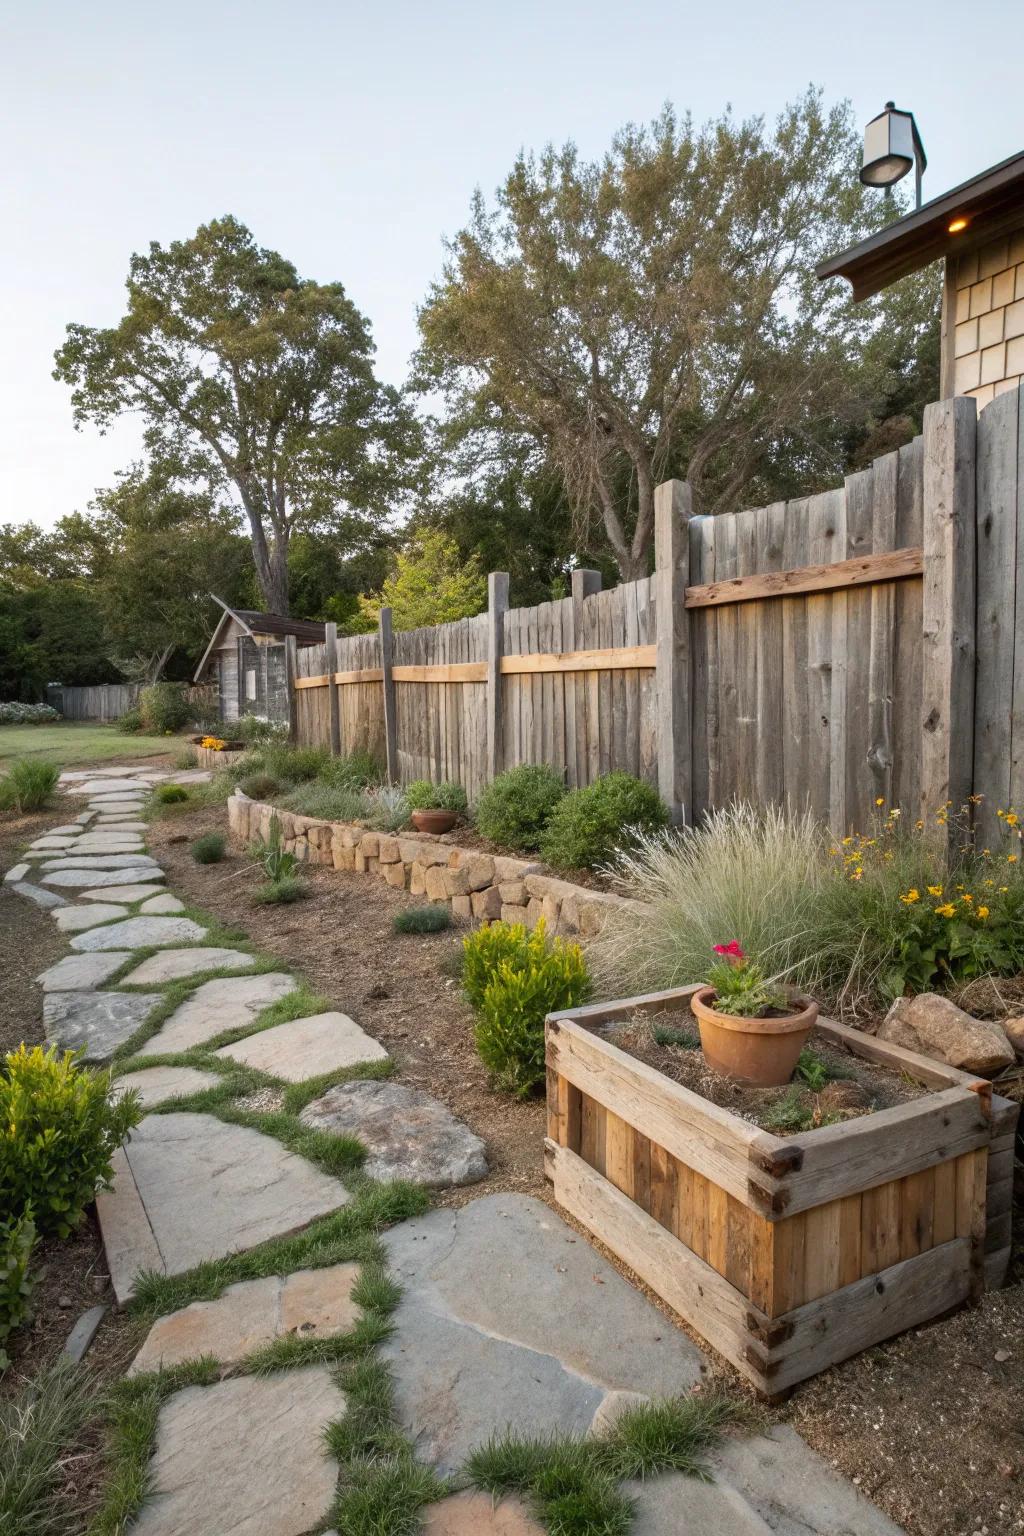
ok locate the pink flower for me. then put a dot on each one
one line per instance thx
(731, 950)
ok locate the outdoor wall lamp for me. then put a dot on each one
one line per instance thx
(892, 147)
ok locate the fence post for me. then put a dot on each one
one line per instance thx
(672, 512)
(333, 707)
(497, 603)
(291, 672)
(388, 683)
(948, 619)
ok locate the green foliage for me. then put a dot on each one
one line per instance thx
(171, 794)
(38, 1424)
(432, 583)
(387, 808)
(28, 785)
(164, 708)
(664, 1034)
(515, 808)
(519, 978)
(422, 795)
(185, 760)
(130, 723)
(329, 802)
(59, 1128)
(270, 853)
(741, 989)
(797, 1110)
(358, 768)
(209, 849)
(433, 919)
(259, 786)
(816, 1072)
(254, 729)
(27, 714)
(17, 1240)
(280, 892)
(588, 825)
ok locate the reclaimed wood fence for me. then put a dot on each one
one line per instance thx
(861, 645)
(102, 701)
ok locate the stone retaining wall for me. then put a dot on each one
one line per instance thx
(474, 884)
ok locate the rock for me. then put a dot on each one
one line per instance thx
(175, 964)
(64, 1302)
(80, 973)
(74, 919)
(510, 1320)
(305, 1048)
(790, 1487)
(165, 904)
(41, 844)
(129, 893)
(155, 1085)
(434, 883)
(189, 1187)
(112, 786)
(245, 1456)
(462, 906)
(476, 1514)
(407, 1133)
(1014, 1031)
(935, 1026)
(611, 1409)
(35, 893)
(487, 904)
(314, 1303)
(97, 877)
(230, 1002)
(83, 1333)
(122, 861)
(96, 1023)
(140, 933)
(15, 873)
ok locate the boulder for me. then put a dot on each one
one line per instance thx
(487, 904)
(935, 1026)
(1014, 1029)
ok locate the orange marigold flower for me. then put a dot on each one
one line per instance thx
(935, 890)
(982, 912)
(909, 897)
(946, 910)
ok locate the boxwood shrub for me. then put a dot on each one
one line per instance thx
(515, 807)
(588, 825)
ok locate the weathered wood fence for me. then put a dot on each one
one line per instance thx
(860, 644)
(101, 701)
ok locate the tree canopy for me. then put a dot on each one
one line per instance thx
(655, 313)
(432, 583)
(255, 381)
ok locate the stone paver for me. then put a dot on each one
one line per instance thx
(101, 861)
(139, 933)
(122, 806)
(174, 964)
(122, 823)
(230, 1002)
(15, 873)
(80, 973)
(112, 785)
(95, 1022)
(96, 877)
(476, 1514)
(408, 1134)
(245, 1457)
(310, 1302)
(155, 1085)
(74, 919)
(204, 1189)
(47, 899)
(164, 904)
(509, 1319)
(41, 844)
(129, 893)
(71, 830)
(304, 1048)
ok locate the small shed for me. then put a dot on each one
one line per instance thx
(245, 660)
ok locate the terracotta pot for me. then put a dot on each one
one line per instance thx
(762, 1052)
(434, 821)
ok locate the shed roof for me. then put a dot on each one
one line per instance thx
(306, 631)
(991, 202)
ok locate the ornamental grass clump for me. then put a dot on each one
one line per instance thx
(209, 849)
(171, 794)
(28, 786)
(514, 979)
(587, 826)
(433, 919)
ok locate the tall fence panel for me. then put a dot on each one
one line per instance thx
(441, 703)
(360, 705)
(102, 701)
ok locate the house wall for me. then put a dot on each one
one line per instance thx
(987, 293)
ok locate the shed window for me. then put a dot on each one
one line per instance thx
(250, 684)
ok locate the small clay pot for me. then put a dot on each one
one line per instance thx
(761, 1052)
(434, 821)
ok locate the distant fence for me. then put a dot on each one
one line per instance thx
(102, 701)
(859, 645)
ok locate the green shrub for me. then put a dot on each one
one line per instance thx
(164, 708)
(253, 728)
(432, 919)
(17, 1240)
(59, 1128)
(259, 786)
(208, 849)
(387, 808)
(294, 765)
(130, 723)
(171, 794)
(588, 825)
(422, 795)
(515, 807)
(532, 978)
(329, 802)
(358, 768)
(270, 853)
(286, 888)
(13, 712)
(29, 785)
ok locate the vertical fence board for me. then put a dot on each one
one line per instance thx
(996, 589)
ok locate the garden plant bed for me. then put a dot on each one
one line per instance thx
(786, 1254)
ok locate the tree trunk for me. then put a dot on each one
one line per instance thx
(270, 560)
(276, 591)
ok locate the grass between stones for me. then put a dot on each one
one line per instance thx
(36, 1425)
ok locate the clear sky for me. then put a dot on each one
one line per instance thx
(350, 137)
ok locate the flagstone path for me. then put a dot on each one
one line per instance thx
(508, 1319)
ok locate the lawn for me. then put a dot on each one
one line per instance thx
(73, 742)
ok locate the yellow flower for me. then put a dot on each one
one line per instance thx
(1003, 890)
(846, 841)
(976, 799)
(946, 910)
(1011, 858)
(968, 897)
(919, 825)
(911, 896)
(935, 890)
(856, 874)
(983, 911)
(1011, 818)
(879, 799)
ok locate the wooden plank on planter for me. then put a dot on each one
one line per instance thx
(711, 1140)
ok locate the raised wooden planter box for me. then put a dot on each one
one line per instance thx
(207, 757)
(786, 1254)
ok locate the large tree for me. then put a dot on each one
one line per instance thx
(656, 313)
(255, 380)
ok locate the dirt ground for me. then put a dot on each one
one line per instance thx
(930, 1425)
